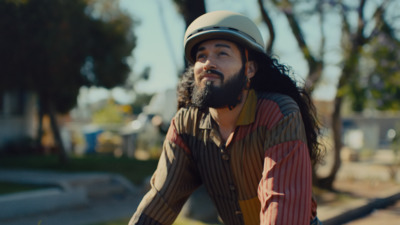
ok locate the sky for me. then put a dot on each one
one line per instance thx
(159, 45)
(160, 34)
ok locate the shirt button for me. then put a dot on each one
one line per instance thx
(225, 157)
(238, 213)
(232, 187)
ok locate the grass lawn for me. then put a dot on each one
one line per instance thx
(134, 170)
(8, 188)
(179, 221)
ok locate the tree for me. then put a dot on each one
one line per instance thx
(380, 72)
(54, 47)
(354, 40)
(190, 9)
(358, 32)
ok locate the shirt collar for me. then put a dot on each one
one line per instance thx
(246, 116)
(205, 122)
(248, 113)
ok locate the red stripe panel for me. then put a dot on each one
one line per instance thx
(285, 188)
(172, 136)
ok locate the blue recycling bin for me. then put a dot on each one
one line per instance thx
(91, 140)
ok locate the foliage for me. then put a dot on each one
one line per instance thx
(314, 25)
(7, 188)
(20, 146)
(362, 23)
(383, 74)
(111, 113)
(142, 99)
(55, 47)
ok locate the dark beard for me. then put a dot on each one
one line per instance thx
(228, 95)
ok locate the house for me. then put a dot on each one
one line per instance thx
(362, 131)
(370, 132)
(17, 116)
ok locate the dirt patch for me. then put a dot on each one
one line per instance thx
(388, 216)
(367, 188)
(352, 194)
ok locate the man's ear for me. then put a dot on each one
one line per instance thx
(251, 69)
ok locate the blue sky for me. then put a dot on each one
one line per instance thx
(160, 45)
(157, 46)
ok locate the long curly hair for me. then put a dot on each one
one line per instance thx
(271, 76)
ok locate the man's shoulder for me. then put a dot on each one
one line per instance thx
(285, 103)
(188, 120)
(184, 111)
(187, 114)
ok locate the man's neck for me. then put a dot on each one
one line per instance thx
(226, 118)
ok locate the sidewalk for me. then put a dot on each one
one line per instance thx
(67, 198)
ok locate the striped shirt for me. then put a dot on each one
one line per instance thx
(261, 176)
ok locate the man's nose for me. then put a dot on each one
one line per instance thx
(209, 64)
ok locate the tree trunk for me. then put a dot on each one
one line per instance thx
(40, 126)
(327, 182)
(49, 108)
(191, 9)
(57, 136)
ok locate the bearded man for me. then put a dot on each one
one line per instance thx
(244, 130)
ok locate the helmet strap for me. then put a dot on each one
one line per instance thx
(246, 54)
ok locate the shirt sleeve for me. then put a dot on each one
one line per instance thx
(285, 189)
(171, 184)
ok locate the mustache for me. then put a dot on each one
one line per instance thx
(216, 72)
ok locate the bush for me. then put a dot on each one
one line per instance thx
(20, 146)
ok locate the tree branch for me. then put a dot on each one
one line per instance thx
(321, 16)
(315, 66)
(346, 33)
(379, 23)
(268, 21)
(359, 37)
(190, 9)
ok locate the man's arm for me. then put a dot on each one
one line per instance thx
(173, 181)
(286, 185)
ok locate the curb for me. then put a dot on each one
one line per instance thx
(66, 191)
(39, 201)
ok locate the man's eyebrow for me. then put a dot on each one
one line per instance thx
(201, 48)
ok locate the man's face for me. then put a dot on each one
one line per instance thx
(216, 61)
(218, 74)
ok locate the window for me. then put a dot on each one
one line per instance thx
(12, 103)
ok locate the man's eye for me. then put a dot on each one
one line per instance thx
(200, 56)
(222, 53)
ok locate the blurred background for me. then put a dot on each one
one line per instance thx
(90, 86)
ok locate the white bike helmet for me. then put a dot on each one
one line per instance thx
(223, 25)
